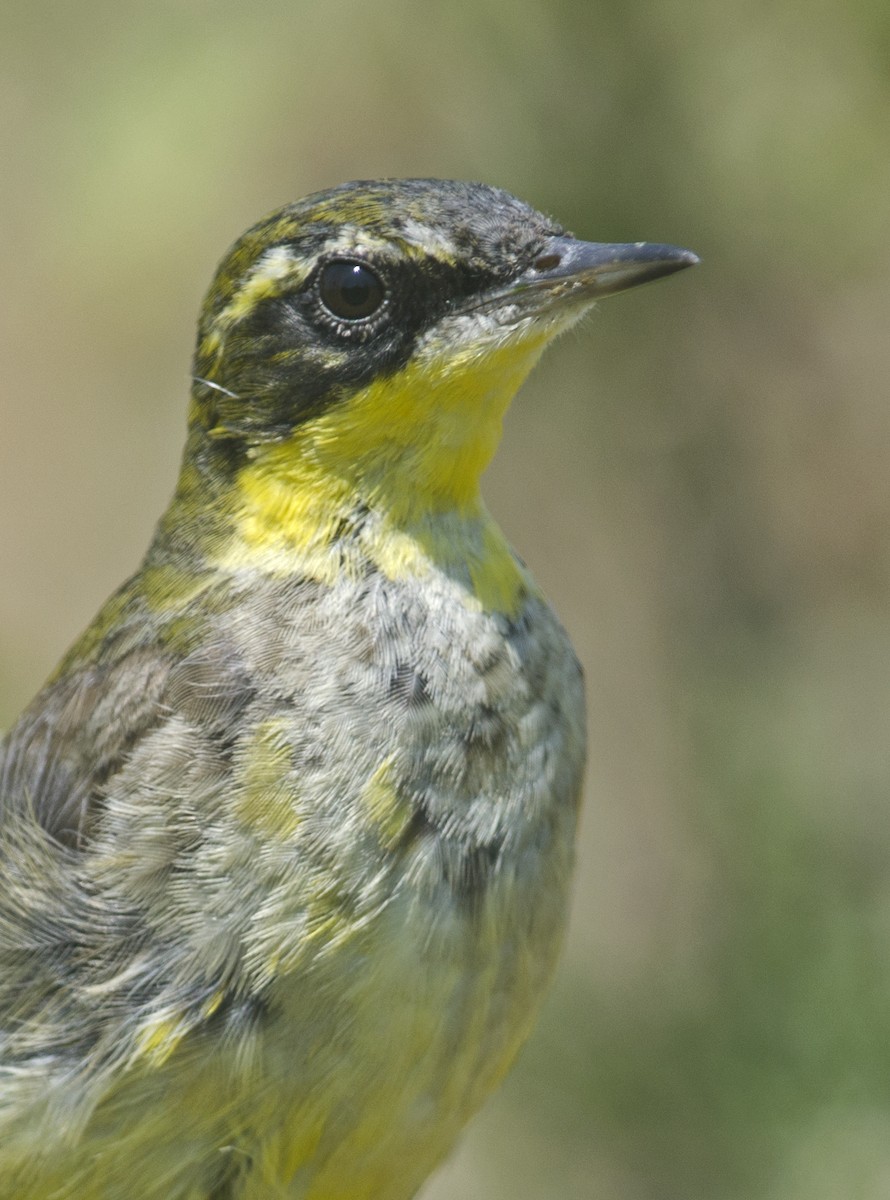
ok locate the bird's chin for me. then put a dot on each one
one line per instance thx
(510, 327)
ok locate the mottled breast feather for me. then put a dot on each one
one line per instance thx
(308, 784)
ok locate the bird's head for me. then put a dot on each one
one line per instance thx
(376, 332)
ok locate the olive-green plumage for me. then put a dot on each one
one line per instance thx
(285, 841)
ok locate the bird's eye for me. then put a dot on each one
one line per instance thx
(350, 290)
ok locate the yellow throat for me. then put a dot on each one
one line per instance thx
(412, 447)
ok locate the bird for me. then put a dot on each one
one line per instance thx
(286, 839)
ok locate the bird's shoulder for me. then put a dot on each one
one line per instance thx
(139, 670)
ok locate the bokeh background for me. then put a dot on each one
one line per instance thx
(699, 479)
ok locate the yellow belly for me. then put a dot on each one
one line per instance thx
(356, 1087)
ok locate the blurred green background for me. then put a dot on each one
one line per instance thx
(699, 479)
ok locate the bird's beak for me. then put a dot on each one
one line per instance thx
(567, 276)
(568, 269)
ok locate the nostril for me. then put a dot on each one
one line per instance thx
(547, 262)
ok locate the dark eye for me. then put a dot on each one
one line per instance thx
(350, 290)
